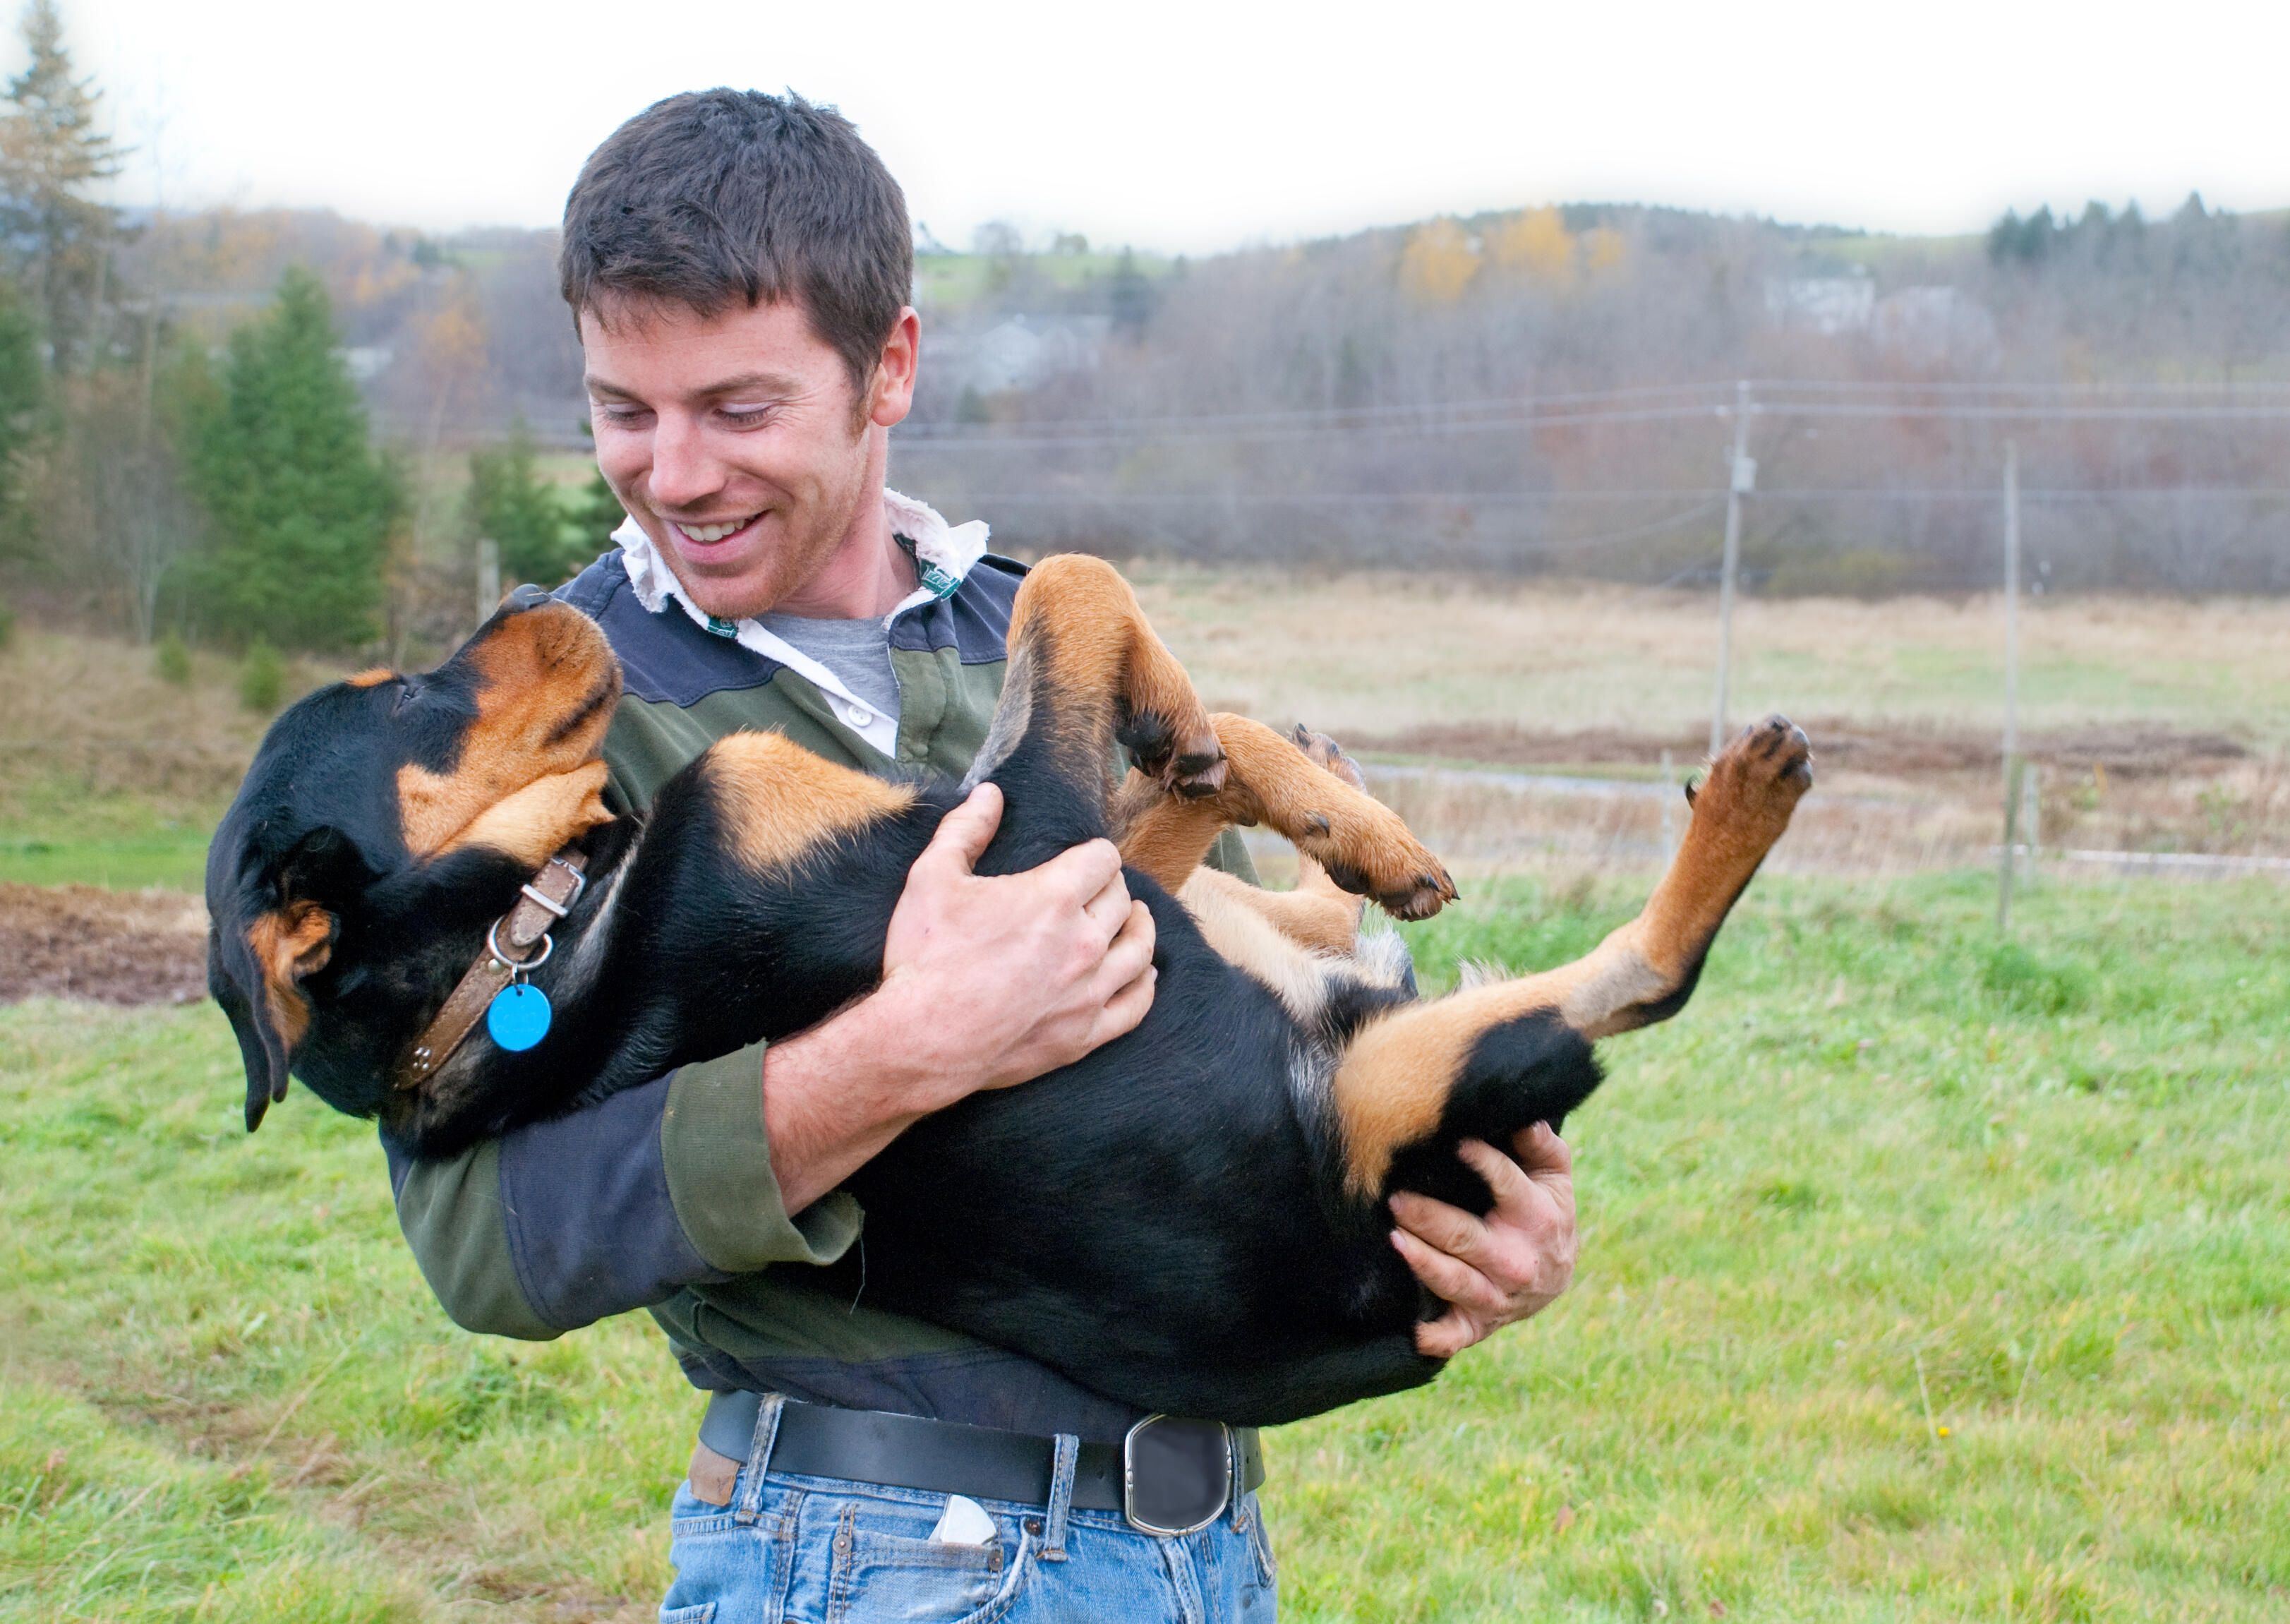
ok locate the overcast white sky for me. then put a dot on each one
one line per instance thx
(1190, 126)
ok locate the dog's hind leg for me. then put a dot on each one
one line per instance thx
(1494, 1059)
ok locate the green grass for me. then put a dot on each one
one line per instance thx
(57, 831)
(1922, 1278)
(174, 855)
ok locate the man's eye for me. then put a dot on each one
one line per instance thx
(744, 417)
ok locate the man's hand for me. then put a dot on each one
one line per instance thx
(1018, 974)
(987, 982)
(1494, 1270)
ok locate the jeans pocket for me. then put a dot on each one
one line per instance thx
(703, 1613)
(1260, 1544)
(878, 1577)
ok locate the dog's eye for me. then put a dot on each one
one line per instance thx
(407, 693)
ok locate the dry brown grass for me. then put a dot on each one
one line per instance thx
(91, 712)
(2159, 723)
(1380, 654)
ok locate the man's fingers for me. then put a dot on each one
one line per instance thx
(1513, 1190)
(1449, 1279)
(964, 833)
(1111, 907)
(1542, 1153)
(1452, 1274)
(1548, 1164)
(1435, 1223)
(1128, 1007)
(1446, 1337)
(1083, 871)
(1137, 934)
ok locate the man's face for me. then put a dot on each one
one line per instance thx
(737, 441)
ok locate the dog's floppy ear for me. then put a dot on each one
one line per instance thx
(259, 952)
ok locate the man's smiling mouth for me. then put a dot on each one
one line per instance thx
(705, 533)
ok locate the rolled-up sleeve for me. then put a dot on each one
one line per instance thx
(614, 1207)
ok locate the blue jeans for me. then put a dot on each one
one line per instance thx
(823, 1550)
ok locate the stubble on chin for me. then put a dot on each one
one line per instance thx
(790, 561)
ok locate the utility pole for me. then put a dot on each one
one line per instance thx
(1742, 477)
(2010, 683)
(1670, 799)
(489, 582)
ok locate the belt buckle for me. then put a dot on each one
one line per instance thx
(1176, 1475)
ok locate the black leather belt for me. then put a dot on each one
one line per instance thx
(907, 1451)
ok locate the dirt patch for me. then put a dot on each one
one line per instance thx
(78, 942)
(1908, 751)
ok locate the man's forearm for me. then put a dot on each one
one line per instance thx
(835, 1095)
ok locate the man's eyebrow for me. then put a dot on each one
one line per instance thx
(768, 383)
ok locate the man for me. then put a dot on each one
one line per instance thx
(738, 266)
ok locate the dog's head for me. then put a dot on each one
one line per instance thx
(387, 820)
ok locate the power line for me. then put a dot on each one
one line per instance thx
(1717, 396)
(1805, 493)
(1437, 421)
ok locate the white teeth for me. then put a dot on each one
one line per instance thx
(715, 533)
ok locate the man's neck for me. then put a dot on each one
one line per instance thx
(869, 576)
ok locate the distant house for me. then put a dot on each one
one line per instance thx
(1830, 306)
(1020, 353)
(366, 362)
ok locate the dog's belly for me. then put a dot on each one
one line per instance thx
(1162, 1222)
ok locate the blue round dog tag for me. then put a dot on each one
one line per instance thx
(518, 1016)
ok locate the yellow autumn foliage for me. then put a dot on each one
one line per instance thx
(1439, 262)
(1604, 249)
(1537, 242)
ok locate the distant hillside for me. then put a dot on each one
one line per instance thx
(1335, 370)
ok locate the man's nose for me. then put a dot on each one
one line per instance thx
(684, 474)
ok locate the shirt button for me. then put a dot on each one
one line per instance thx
(860, 717)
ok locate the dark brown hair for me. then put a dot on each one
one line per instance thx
(721, 196)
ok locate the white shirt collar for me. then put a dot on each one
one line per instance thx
(944, 553)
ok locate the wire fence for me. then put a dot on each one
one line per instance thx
(1862, 487)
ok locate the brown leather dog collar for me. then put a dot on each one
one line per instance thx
(547, 900)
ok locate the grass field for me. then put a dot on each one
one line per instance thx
(1372, 654)
(1923, 1278)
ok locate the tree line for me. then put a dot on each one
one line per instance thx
(183, 466)
(1300, 403)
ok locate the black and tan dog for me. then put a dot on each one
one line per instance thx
(1191, 1217)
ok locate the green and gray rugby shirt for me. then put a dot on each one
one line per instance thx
(661, 1197)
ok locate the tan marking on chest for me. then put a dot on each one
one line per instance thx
(780, 802)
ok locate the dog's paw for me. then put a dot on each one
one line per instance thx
(1183, 755)
(1367, 850)
(1326, 753)
(1757, 780)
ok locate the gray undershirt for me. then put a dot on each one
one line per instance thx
(858, 651)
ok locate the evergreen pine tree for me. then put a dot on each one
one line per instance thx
(23, 417)
(52, 153)
(592, 516)
(300, 505)
(509, 503)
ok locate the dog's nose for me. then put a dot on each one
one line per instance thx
(527, 597)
